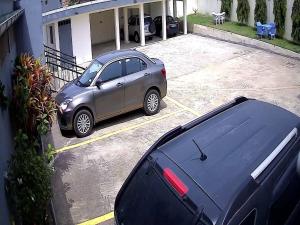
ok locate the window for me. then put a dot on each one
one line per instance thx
(250, 218)
(134, 65)
(51, 34)
(90, 73)
(112, 71)
(170, 19)
(157, 199)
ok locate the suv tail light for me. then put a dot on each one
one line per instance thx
(175, 182)
(163, 72)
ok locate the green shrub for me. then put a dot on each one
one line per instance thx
(296, 21)
(279, 11)
(226, 7)
(33, 108)
(242, 11)
(29, 182)
(32, 97)
(260, 12)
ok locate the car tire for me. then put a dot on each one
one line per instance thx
(83, 123)
(152, 102)
(136, 37)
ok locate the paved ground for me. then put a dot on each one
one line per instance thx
(202, 74)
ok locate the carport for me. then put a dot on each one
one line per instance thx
(98, 23)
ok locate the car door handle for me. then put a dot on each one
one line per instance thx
(146, 74)
(120, 84)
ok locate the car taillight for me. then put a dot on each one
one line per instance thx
(175, 182)
(163, 72)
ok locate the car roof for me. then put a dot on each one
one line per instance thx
(235, 142)
(106, 57)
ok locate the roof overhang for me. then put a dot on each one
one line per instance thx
(88, 7)
(8, 20)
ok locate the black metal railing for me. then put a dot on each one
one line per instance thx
(62, 66)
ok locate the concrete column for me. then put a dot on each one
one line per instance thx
(126, 34)
(142, 29)
(164, 22)
(174, 8)
(167, 7)
(45, 35)
(81, 38)
(56, 35)
(184, 17)
(117, 28)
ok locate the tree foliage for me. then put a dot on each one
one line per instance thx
(242, 11)
(296, 21)
(279, 11)
(29, 181)
(226, 7)
(260, 12)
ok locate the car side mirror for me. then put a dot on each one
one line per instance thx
(99, 83)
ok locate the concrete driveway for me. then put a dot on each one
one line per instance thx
(202, 74)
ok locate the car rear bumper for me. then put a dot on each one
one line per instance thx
(164, 89)
(65, 120)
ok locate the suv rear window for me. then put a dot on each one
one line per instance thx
(148, 200)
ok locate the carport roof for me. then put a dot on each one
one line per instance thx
(88, 7)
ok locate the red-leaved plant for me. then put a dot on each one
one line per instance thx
(32, 100)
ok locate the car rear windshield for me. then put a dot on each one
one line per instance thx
(148, 200)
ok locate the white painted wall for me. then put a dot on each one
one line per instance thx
(209, 6)
(81, 38)
(102, 26)
(155, 9)
(191, 4)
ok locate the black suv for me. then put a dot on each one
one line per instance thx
(235, 165)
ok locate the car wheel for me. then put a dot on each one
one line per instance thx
(83, 123)
(152, 102)
(136, 37)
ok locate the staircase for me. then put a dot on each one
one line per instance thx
(62, 66)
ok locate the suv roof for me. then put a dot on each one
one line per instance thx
(235, 141)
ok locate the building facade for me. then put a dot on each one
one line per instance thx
(20, 32)
(77, 28)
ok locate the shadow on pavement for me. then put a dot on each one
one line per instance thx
(113, 121)
(61, 203)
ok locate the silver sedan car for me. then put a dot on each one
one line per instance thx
(114, 83)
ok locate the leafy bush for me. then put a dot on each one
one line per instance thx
(32, 96)
(260, 12)
(29, 181)
(226, 7)
(279, 11)
(296, 21)
(242, 11)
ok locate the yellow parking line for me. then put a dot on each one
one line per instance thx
(98, 220)
(115, 132)
(183, 106)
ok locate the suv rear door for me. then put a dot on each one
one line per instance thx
(160, 194)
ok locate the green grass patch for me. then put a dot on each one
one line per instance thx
(241, 29)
